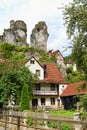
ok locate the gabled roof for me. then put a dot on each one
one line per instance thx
(72, 89)
(55, 52)
(35, 60)
(52, 73)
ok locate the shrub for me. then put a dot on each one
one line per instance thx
(53, 124)
(66, 127)
(49, 124)
(30, 122)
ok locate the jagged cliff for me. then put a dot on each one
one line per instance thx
(16, 34)
(39, 36)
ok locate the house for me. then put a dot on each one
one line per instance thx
(58, 55)
(69, 95)
(48, 87)
(59, 60)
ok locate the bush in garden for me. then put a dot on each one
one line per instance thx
(49, 124)
(52, 125)
(30, 122)
(66, 127)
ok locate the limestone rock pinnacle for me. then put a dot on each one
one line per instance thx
(16, 34)
(39, 36)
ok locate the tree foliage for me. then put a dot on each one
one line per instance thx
(11, 83)
(75, 17)
(74, 76)
(25, 102)
(83, 102)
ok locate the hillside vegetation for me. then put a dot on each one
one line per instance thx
(23, 53)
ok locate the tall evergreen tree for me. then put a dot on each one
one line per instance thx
(25, 100)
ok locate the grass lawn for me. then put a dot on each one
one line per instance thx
(63, 113)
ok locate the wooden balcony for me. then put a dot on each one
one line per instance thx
(45, 92)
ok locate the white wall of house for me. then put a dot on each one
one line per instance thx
(61, 88)
(44, 92)
(74, 67)
(47, 102)
(45, 89)
(34, 67)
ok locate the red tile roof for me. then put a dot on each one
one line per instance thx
(72, 89)
(53, 74)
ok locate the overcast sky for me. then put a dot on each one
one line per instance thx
(33, 11)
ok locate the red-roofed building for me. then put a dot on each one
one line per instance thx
(49, 86)
(69, 94)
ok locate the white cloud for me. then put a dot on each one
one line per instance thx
(6, 3)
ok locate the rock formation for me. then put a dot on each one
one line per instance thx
(16, 34)
(39, 36)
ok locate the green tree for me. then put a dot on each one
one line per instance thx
(12, 81)
(7, 49)
(25, 101)
(83, 102)
(75, 17)
(74, 76)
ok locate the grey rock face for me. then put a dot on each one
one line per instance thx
(39, 36)
(16, 34)
(18, 25)
(9, 36)
(1, 38)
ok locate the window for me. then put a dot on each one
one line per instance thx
(32, 61)
(42, 101)
(52, 87)
(34, 102)
(37, 86)
(60, 59)
(52, 101)
(38, 72)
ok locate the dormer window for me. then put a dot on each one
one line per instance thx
(32, 62)
(38, 72)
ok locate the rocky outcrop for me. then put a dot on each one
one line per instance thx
(39, 36)
(1, 38)
(9, 36)
(16, 34)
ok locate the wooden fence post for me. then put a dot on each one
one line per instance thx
(5, 122)
(35, 124)
(59, 125)
(18, 125)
